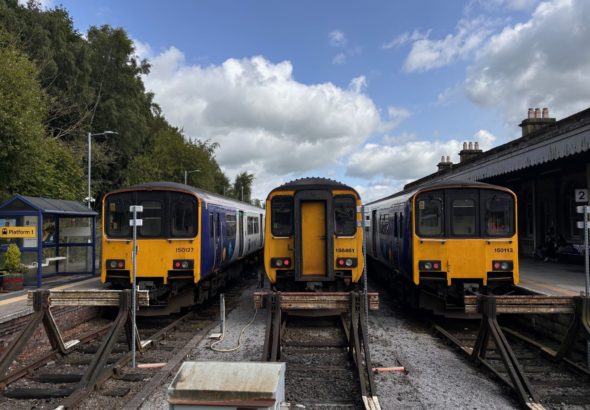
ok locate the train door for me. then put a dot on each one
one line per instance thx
(242, 237)
(313, 235)
(217, 240)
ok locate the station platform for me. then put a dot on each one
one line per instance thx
(14, 304)
(552, 278)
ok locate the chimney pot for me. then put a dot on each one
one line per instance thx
(530, 115)
(470, 145)
(545, 112)
(537, 113)
(464, 145)
(476, 145)
(448, 159)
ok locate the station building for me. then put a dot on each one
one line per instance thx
(548, 168)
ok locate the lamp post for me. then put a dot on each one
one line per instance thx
(89, 198)
(189, 172)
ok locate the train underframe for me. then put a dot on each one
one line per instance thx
(341, 282)
(181, 291)
(437, 296)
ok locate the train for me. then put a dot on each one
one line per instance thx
(189, 244)
(314, 238)
(441, 241)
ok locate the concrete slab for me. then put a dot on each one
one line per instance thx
(235, 383)
(552, 278)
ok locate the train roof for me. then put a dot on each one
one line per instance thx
(209, 197)
(440, 184)
(312, 183)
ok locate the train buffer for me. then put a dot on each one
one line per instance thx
(43, 300)
(490, 306)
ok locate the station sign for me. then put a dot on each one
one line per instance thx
(581, 195)
(18, 232)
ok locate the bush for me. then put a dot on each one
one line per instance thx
(12, 259)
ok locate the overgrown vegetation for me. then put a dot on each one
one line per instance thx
(56, 85)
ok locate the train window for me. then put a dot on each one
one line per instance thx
(184, 221)
(282, 216)
(152, 218)
(384, 224)
(430, 214)
(498, 215)
(395, 227)
(401, 225)
(230, 226)
(118, 215)
(344, 215)
(463, 217)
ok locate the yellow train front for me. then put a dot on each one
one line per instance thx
(313, 236)
(190, 244)
(445, 240)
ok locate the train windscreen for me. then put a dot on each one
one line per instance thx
(464, 213)
(165, 214)
(344, 215)
(282, 216)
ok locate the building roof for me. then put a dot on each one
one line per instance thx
(563, 138)
(46, 205)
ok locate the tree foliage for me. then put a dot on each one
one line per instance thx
(56, 86)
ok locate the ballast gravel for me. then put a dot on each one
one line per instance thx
(437, 377)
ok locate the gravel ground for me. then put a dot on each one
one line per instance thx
(438, 377)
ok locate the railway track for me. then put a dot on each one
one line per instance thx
(321, 374)
(56, 381)
(323, 339)
(536, 374)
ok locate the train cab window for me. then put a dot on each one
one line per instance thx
(184, 221)
(152, 219)
(430, 214)
(463, 217)
(118, 215)
(344, 216)
(498, 215)
(282, 216)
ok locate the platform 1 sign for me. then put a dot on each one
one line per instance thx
(18, 232)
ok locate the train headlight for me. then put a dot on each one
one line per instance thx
(348, 262)
(429, 265)
(182, 264)
(282, 263)
(115, 264)
(502, 265)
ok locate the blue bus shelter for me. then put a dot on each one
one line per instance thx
(54, 236)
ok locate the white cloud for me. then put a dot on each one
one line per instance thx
(264, 120)
(405, 38)
(427, 54)
(503, 4)
(337, 38)
(43, 4)
(358, 84)
(339, 59)
(542, 62)
(408, 159)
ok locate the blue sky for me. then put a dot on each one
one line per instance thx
(369, 93)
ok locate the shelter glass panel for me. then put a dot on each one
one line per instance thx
(75, 259)
(75, 230)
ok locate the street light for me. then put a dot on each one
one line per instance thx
(189, 172)
(89, 198)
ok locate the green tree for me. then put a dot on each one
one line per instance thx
(242, 188)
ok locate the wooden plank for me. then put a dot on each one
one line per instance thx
(91, 297)
(525, 304)
(315, 300)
